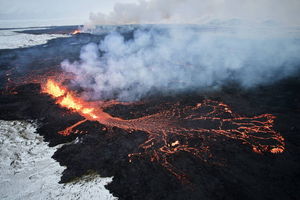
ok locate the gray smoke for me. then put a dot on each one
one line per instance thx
(247, 42)
(175, 59)
(200, 11)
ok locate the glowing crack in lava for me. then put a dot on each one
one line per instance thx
(189, 129)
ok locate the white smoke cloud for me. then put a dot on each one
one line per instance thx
(180, 58)
(259, 47)
(200, 11)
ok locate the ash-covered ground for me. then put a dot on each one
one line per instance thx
(234, 172)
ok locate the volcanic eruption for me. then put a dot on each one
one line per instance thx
(173, 99)
(172, 130)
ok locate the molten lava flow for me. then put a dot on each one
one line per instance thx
(68, 99)
(70, 129)
(54, 89)
(76, 32)
(189, 129)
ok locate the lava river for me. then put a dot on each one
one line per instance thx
(176, 129)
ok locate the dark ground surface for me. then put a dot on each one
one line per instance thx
(243, 174)
(51, 30)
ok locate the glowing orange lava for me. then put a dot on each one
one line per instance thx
(175, 129)
(54, 89)
(76, 32)
(68, 99)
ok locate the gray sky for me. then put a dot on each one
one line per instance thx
(54, 9)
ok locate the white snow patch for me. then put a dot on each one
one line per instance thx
(9, 39)
(27, 170)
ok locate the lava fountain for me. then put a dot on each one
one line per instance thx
(176, 129)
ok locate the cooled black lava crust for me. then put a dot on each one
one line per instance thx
(242, 174)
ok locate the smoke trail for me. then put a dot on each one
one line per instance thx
(180, 58)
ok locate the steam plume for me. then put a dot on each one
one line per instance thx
(174, 58)
(200, 11)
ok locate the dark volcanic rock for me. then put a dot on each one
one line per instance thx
(27, 103)
(51, 30)
(32, 61)
(241, 174)
(235, 172)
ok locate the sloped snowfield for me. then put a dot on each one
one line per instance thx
(27, 170)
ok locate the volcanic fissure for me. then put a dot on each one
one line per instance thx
(175, 129)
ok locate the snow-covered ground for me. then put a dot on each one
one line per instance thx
(9, 39)
(27, 170)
